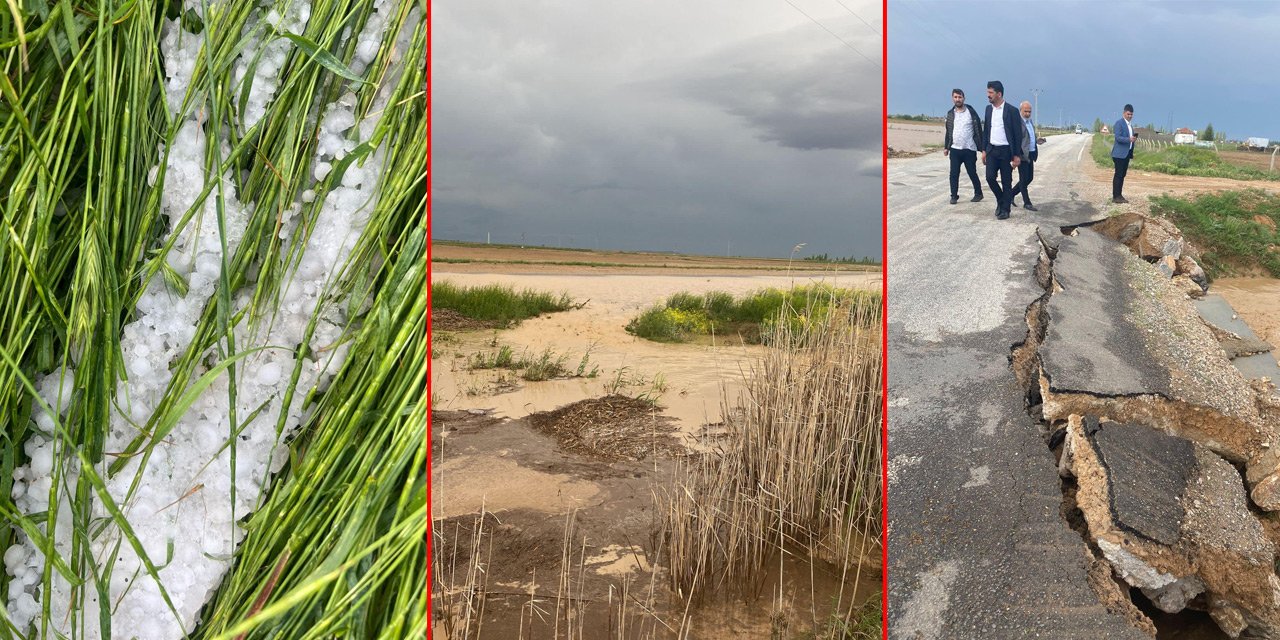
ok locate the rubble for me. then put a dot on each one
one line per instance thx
(1170, 454)
(1172, 519)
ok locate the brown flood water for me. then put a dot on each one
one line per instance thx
(1257, 301)
(693, 374)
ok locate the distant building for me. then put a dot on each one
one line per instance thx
(1184, 130)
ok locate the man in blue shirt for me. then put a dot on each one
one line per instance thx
(1030, 153)
(1122, 153)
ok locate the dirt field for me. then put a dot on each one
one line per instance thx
(1257, 160)
(912, 137)
(567, 469)
(471, 258)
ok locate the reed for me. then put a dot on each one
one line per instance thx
(797, 472)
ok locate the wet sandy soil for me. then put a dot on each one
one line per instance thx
(490, 453)
(548, 499)
(571, 540)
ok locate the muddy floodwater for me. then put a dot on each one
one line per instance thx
(496, 450)
(688, 377)
(1257, 300)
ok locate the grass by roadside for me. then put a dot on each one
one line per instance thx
(1236, 231)
(1179, 161)
(684, 316)
(495, 305)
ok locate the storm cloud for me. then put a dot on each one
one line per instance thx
(707, 127)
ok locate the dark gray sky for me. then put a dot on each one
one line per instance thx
(660, 125)
(1182, 62)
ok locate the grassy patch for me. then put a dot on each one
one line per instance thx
(1235, 230)
(754, 316)
(496, 304)
(1179, 161)
(860, 623)
(546, 366)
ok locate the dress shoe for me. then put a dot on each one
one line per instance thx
(977, 198)
(1030, 207)
(1119, 200)
(955, 199)
(1002, 215)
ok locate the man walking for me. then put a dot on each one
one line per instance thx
(964, 131)
(1122, 153)
(1002, 146)
(1030, 153)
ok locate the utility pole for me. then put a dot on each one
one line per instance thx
(1036, 93)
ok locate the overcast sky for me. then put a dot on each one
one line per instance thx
(661, 125)
(1185, 63)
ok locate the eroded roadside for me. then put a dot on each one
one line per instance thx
(1165, 449)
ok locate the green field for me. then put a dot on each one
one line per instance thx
(1179, 161)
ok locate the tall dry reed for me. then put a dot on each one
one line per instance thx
(798, 472)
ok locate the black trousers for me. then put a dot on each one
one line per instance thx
(968, 158)
(1026, 173)
(1117, 181)
(999, 161)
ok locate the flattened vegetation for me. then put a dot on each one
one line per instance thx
(614, 427)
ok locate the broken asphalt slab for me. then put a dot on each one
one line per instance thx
(1090, 345)
(1217, 557)
(1123, 342)
(1147, 473)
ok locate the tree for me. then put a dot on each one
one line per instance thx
(1207, 134)
(1097, 125)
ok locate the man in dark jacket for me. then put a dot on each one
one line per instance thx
(1002, 146)
(964, 134)
(1030, 154)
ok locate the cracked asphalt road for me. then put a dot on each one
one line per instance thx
(977, 548)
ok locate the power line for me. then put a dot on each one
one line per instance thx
(846, 8)
(833, 34)
(937, 32)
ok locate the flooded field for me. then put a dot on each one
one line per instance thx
(692, 375)
(545, 494)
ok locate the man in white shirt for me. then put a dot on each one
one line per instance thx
(1002, 149)
(964, 132)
